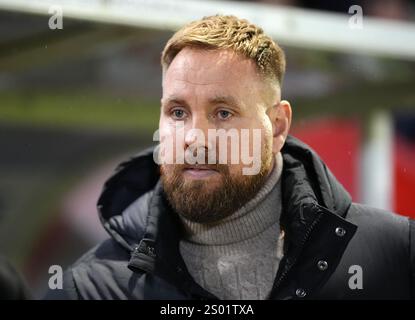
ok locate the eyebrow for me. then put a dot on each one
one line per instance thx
(229, 100)
(226, 99)
(172, 99)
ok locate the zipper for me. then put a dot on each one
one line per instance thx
(302, 243)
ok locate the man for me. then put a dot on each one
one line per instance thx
(199, 229)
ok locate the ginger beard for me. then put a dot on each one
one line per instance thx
(216, 197)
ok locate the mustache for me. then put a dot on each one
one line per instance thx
(201, 159)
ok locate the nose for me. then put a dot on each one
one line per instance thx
(197, 133)
(197, 143)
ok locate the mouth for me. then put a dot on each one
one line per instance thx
(199, 171)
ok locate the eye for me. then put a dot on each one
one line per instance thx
(224, 114)
(178, 114)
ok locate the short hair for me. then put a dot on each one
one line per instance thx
(229, 32)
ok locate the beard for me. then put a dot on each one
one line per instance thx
(204, 201)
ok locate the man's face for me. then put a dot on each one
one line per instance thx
(204, 91)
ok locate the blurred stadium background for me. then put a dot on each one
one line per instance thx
(76, 101)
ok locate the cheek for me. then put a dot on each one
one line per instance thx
(267, 138)
(235, 170)
(266, 126)
(171, 133)
(261, 136)
(170, 144)
(267, 133)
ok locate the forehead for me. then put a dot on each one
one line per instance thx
(203, 71)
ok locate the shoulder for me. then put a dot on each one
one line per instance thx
(382, 231)
(383, 248)
(378, 221)
(98, 274)
(106, 253)
(385, 234)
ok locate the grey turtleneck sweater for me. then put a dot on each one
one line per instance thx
(238, 257)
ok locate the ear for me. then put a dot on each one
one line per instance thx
(281, 123)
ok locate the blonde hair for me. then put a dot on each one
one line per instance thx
(229, 32)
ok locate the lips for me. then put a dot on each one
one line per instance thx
(199, 171)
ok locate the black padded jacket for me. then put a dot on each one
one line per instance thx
(333, 248)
